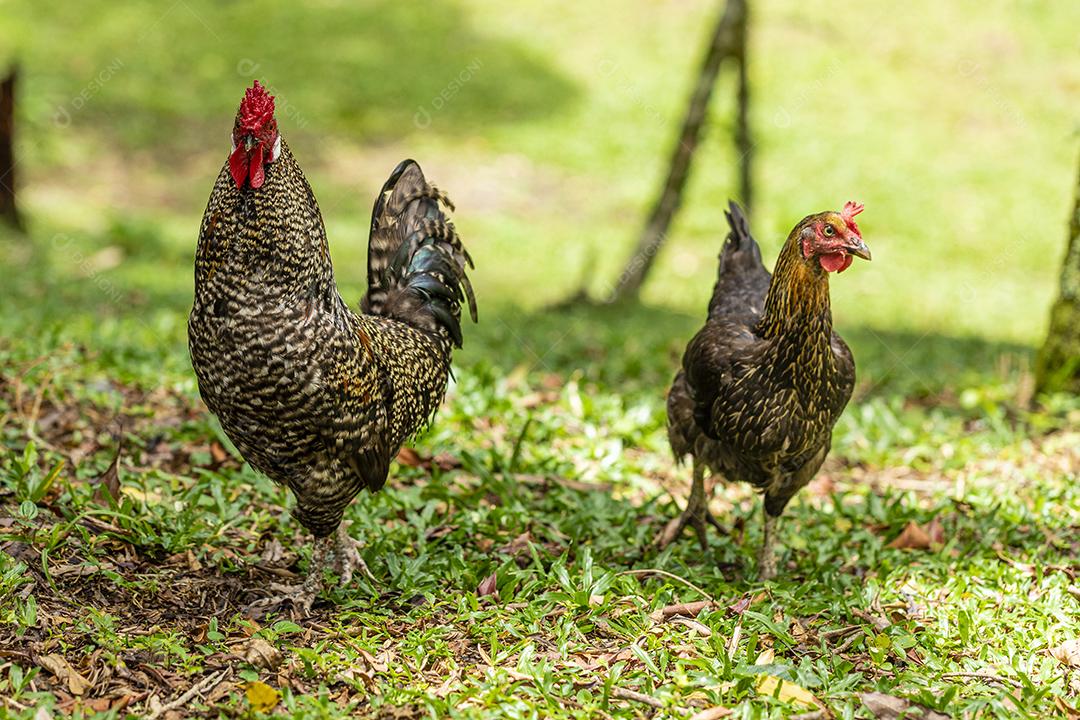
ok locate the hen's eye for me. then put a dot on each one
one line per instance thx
(829, 230)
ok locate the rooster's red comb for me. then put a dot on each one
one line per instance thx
(256, 109)
(851, 209)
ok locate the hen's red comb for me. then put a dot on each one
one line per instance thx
(256, 109)
(851, 209)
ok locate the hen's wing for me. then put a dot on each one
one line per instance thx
(845, 382)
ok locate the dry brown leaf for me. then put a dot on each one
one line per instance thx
(409, 457)
(260, 653)
(108, 482)
(519, 545)
(218, 453)
(1067, 653)
(487, 586)
(936, 531)
(62, 670)
(913, 537)
(889, 707)
(1070, 712)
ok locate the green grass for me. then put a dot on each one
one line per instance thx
(954, 125)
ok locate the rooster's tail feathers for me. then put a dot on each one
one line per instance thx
(416, 262)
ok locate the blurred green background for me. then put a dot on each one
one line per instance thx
(550, 126)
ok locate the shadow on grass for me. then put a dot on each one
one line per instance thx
(635, 347)
(375, 68)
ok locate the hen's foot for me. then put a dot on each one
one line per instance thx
(347, 558)
(696, 515)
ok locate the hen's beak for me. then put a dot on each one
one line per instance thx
(858, 249)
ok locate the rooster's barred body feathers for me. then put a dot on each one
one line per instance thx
(316, 396)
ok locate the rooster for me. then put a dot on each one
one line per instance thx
(316, 396)
(766, 378)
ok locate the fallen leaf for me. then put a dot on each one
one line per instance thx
(261, 696)
(488, 586)
(62, 670)
(936, 531)
(108, 482)
(786, 690)
(889, 707)
(1067, 653)
(440, 531)
(260, 653)
(519, 545)
(1070, 712)
(218, 453)
(742, 605)
(913, 537)
(409, 457)
(713, 713)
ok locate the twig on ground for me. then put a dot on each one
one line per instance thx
(988, 677)
(693, 625)
(690, 609)
(839, 632)
(624, 694)
(196, 689)
(877, 621)
(669, 576)
(847, 643)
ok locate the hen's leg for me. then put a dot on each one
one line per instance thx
(767, 556)
(347, 556)
(696, 515)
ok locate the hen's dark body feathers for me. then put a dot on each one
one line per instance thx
(766, 378)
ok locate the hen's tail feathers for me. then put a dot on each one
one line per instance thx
(416, 262)
(741, 251)
(741, 276)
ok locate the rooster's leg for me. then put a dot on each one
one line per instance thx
(696, 515)
(301, 597)
(347, 555)
(767, 557)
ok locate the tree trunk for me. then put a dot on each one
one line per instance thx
(1057, 367)
(728, 41)
(8, 210)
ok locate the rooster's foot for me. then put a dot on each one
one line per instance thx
(347, 558)
(696, 516)
(299, 597)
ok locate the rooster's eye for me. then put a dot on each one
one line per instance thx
(829, 231)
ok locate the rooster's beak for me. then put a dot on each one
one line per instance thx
(249, 142)
(858, 249)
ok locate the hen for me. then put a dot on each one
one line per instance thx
(316, 396)
(766, 378)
